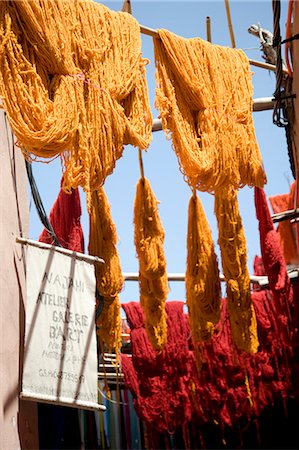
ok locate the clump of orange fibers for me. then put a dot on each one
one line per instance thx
(72, 82)
(102, 243)
(149, 243)
(203, 291)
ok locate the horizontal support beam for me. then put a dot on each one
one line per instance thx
(285, 215)
(259, 104)
(261, 280)
(256, 279)
(81, 256)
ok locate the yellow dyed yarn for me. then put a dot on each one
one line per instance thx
(102, 243)
(203, 291)
(109, 325)
(149, 243)
(204, 94)
(234, 263)
(72, 82)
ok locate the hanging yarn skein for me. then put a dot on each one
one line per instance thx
(204, 95)
(203, 291)
(149, 243)
(73, 83)
(102, 242)
(232, 245)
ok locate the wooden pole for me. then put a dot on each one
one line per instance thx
(208, 29)
(230, 24)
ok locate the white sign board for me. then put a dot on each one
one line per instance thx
(60, 358)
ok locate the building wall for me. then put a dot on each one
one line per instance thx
(295, 52)
(18, 418)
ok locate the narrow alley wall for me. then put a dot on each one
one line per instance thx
(18, 418)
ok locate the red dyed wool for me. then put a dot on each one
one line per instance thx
(65, 219)
(167, 389)
(156, 381)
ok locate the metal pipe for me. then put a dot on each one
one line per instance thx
(81, 256)
(259, 104)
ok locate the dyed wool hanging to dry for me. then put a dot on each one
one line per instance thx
(157, 381)
(286, 230)
(204, 94)
(234, 263)
(149, 243)
(234, 385)
(169, 392)
(72, 81)
(102, 242)
(203, 290)
(273, 259)
(65, 219)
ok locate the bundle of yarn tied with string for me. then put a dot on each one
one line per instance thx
(149, 243)
(109, 279)
(72, 82)
(204, 95)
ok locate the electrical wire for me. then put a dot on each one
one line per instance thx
(39, 205)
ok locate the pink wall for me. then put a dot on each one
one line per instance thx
(18, 418)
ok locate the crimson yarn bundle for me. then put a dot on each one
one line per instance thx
(168, 390)
(65, 218)
(157, 381)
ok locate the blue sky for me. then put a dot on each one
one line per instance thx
(187, 19)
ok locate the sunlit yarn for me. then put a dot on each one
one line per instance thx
(203, 291)
(102, 243)
(204, 94)
(234, 264)
(72, 82)
(149, 243)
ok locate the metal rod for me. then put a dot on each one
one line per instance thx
(134, 276)
(110, 375)
(259, 104)
(151, 32)
(285, 215)
(88, 258)
(263, 104)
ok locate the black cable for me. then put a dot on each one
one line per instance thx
(46, 223)
(39, 205)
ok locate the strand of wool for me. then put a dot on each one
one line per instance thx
(102, 242)
(149, 243)
(109, 325)
(204, 95)
(203, 291)
(232, 244)
(73, 82)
